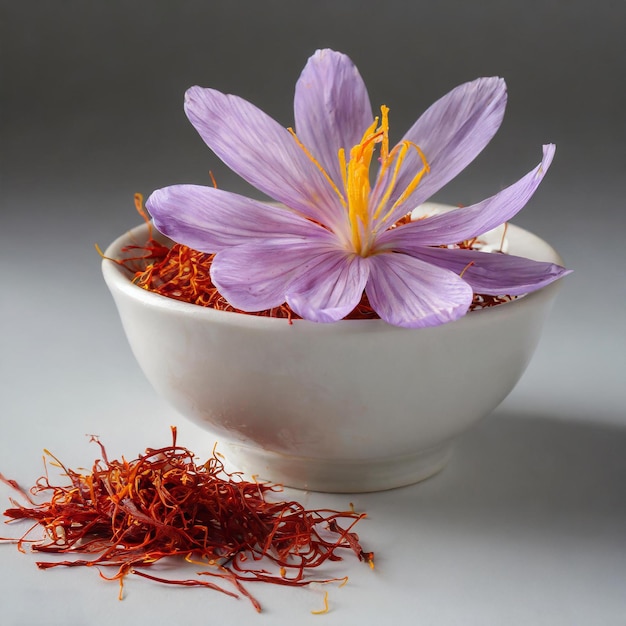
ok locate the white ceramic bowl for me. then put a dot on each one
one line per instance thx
(357, 405)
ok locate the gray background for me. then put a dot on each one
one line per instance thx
(92, 112)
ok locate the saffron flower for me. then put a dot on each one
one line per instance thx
(339, 231)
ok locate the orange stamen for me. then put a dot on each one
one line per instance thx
(416, 180)
(355, 177)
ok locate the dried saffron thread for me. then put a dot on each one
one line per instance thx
(184, 274)
(130, 515)
(325, 609)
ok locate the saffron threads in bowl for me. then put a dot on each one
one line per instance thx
(184, 274)
(130, 515)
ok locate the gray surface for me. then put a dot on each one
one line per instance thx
(528, 523)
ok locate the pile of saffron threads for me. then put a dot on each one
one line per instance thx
(130, 515)
(182, 273)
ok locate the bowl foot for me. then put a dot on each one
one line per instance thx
(338, 476)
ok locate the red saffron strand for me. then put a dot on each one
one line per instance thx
(130, 515)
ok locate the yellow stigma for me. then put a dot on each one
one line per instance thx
(357, 181)
(355, 174)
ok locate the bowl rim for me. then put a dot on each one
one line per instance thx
(119, 280)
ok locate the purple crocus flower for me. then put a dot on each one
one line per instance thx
(337, 233)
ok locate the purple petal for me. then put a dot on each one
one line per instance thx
(409, 292)
(256, 276)
(209, 220)
(495, 273)
(331, 289)
(468, 222)
(451, 134)
(332, 108)
(262, 152)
